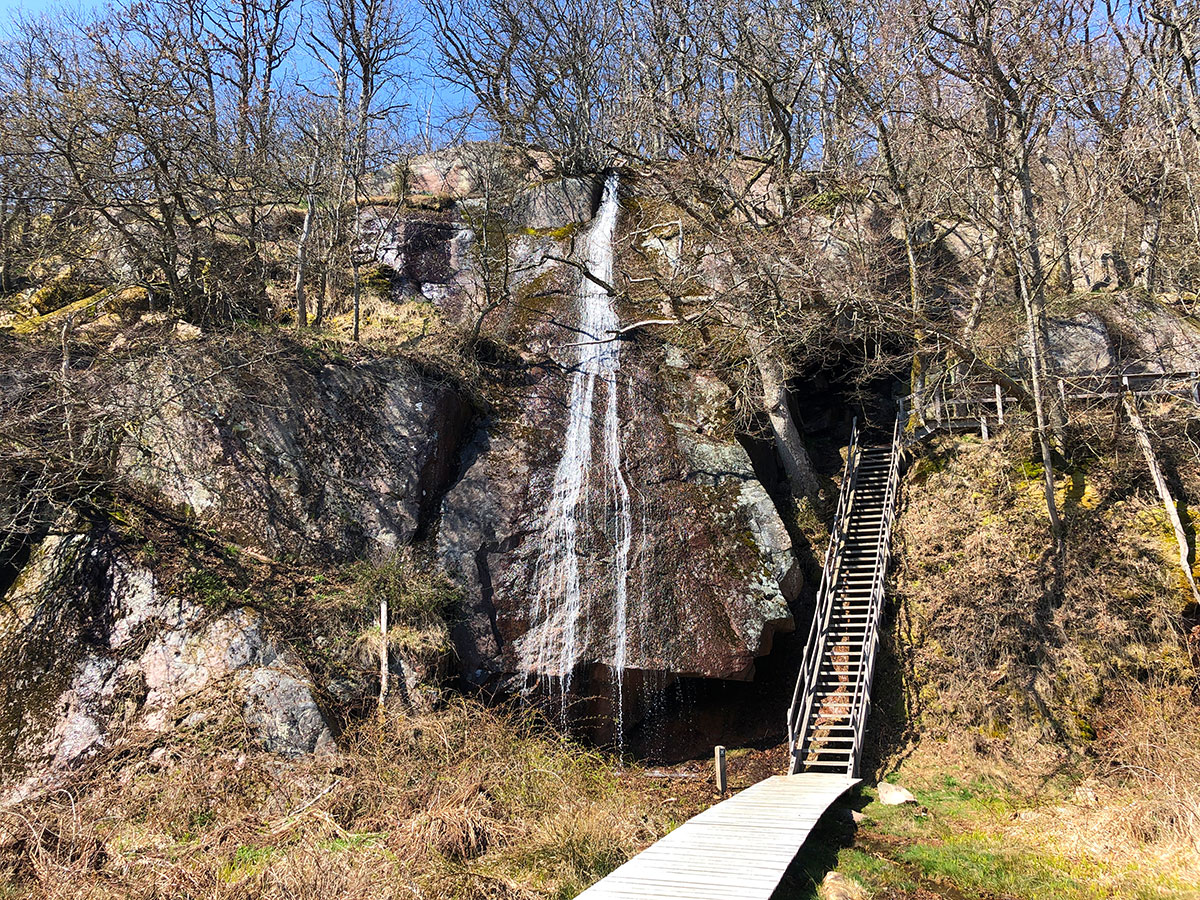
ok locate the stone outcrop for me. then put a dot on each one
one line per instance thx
(1081, 344)
(1151, 336)
(1124, 334)
(473, 168)
(555, 204)
(92, 649)
(711, 570)
(303, 459)
(429, 254)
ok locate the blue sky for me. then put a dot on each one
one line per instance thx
(428, 96)
(10, 8)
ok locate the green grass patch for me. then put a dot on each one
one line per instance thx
(978, 868)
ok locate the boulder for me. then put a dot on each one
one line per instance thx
(1152, 336)
(92, 649)
(1081, 344)
(894, 795)
(301, 458)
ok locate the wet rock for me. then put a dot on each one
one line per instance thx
(421, 249)
(894, 795)
(711, 568)
(295, 457)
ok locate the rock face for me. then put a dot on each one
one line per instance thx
(711, 569)
(1127, 334)
(1151, 336)
(1081, 344)
(306, 460)
(91, 649)
(555, 204)
(430, 253)
(473, 168)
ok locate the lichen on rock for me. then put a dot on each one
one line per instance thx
(94, 649)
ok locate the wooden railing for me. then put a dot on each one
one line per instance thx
(976, 401)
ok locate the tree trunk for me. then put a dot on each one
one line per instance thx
(1164, 492)
(1147, 260)
(383, 655)
(5, 246)
(1032, 282)
(302, 258)
(1037, 384)
(796, 462)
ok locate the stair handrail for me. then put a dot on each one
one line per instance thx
(860, 702)
(814, 648)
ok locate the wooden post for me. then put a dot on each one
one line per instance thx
(383, 654)
(1195, 389)
(1062, 392)
(999, 405)
(983, 426)
(719, 766)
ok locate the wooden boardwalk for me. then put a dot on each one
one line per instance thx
(736, 850)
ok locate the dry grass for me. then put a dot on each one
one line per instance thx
(1077, 686)
(461, 803)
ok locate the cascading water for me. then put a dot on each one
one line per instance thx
(563, 601)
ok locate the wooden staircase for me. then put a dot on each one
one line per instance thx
(828, 715)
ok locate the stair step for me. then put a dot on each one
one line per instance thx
(830, 754)
(835, 741)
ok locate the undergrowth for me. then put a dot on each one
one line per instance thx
(464, 802)
(1072, 690)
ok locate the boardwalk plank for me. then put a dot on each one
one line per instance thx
(737, 850)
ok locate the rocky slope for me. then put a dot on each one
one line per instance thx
(306, 457)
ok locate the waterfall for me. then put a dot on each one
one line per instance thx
(560, 614)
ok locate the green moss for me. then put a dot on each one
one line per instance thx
(86, 304)
(246, 861)
(560, 233)
(828, 201)
(1086, 731)
(378, 281)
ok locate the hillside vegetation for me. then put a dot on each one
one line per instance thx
(290, 345)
